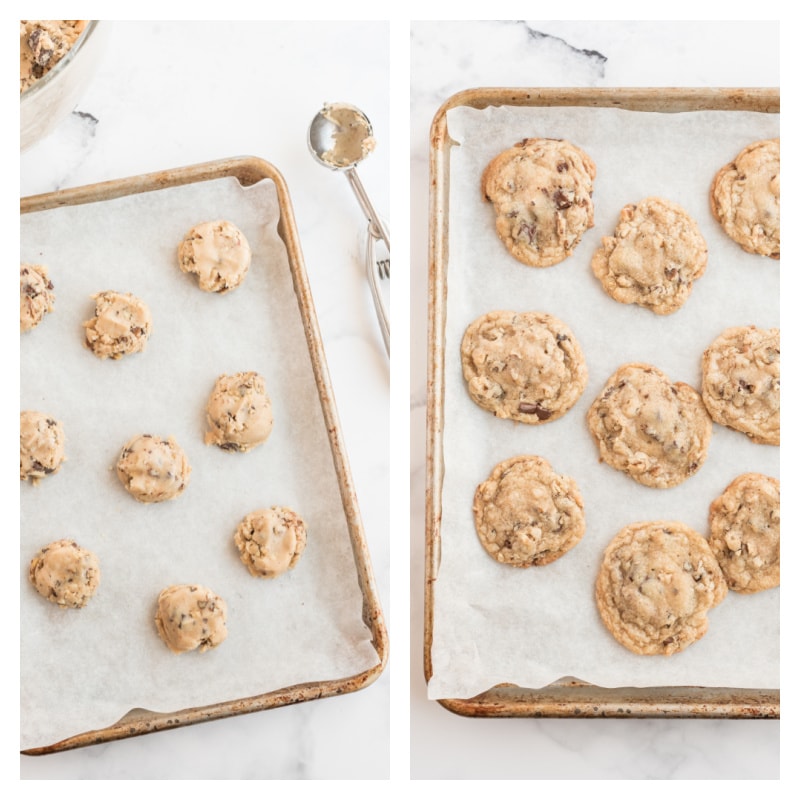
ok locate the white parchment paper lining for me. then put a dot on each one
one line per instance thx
(84, 669)
(496, 624)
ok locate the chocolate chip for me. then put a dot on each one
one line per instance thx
(561, 200)
(535, 408)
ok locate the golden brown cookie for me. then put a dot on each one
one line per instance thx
(36, 295)
(526, 366)
(746, 198)
(541, 190)
(650, 428)
(742, 381)
(654, 256)
(65, 573)
(656, 584)
(526, 514)
(191, 617)
(745, 523)
(271, 541)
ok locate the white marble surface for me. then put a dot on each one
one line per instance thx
(447, 57)
(171, 94)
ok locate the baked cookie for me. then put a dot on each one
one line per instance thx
(239, 412)
(526, 514)
(742, 381)
(42, 44)
(655, 254)
(191, 617)
(121, 325)
(746, 198)
(541, 190)
(271, 541)
(41, 446)
(217, 253)
(526, 366)
(153, 469)
(36, 295)
(650, 428)
(745, 523)
(656, 584)
(65, 573)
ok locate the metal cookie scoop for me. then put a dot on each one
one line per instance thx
(339, 137)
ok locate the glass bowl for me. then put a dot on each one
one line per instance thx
(44, 104)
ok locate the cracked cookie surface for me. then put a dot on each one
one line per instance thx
(656, 583)
(153, 469)
(526, 366)
(746, 198)
(270, 541)
(742, 382)
(65, 573)
(541, 190)
(745, 524)
(654, 256)
(526, 514)
(36, 295)
(191, 617)
(650, 428)
(217, 254)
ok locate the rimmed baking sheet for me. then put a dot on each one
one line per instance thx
(88, 675)
(473, 608)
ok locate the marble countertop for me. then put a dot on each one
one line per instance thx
(170, 94)
(447, 57)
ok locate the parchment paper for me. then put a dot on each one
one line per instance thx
(530, 627)
(84, 669)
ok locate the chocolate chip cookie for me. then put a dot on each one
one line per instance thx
(121, 325)
(742, 381)
(217, 254)
(745, 522)
(191, 617)
(153, 469)
(36, 295)
(526, 366)
(239, 412)
(526, 514)
(650, 428)
(271, 541)
(746, 198)
(65, 573)
(654, 256)
(41, 445)
(656, 584)
(541, 190)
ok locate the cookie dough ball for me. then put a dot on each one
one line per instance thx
(65, 573)
(41, 446)
(653, 258)
(239, 412)
(541, 190)
(524, 366)
(217, 253)
(742, 382)
(121, 325)
(745, 522)
(42, 44)
(650, 428)
(271, 541)
(746, 198)
(656, 584)
(153, 469)
(526, 514)
(36, 295)
(191, 617)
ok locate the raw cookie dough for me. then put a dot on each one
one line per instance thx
(65, 573)
(655, 254)
(217, 253)
(745, 522)
(42, 44)
(36, 295)
(525, 366)
(41, 446)
(526, 514)
(239, 412)
(742, 381)
(153, 469)
(191, 617)
(746, 198)
(271, 541)
(542, 195)
(656, 584)
(655, 431)
(121, 325)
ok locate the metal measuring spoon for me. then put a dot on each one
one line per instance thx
(339, 137)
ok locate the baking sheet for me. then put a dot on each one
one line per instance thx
(84, 669)
(531, 627)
